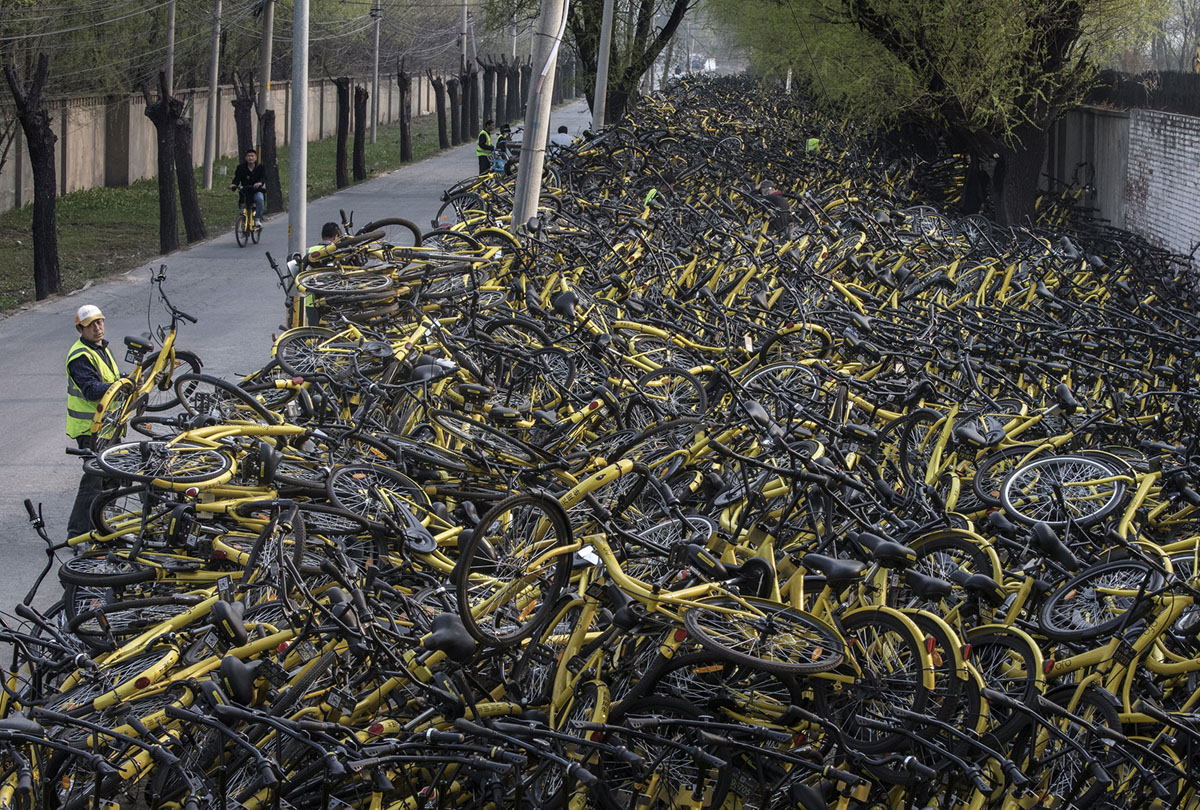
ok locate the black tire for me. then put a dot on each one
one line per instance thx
(665, 393)
(1008, 663)
(297, 352)
(765, 634)
(114, 506)
(105, 627)
(713, 683)
(286, 703)
(483, 437)
(460, 208)
(1092, 604)
(205, 395)
(1068, 780)
(500, 598)
(95, 569)
(177, 463)
(256, 232)
(335, 286)
(993, 469)
(669, 772)
(1030, 493)
(165, 395)
(240, 234)
(376, 494)
(397, 231)
(889, 658)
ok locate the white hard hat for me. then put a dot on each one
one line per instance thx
(86, 314)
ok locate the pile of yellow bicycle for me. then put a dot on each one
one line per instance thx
(663, 499)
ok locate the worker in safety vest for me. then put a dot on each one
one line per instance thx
(483, 147)
(91, 369)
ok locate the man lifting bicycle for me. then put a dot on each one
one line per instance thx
(250, 180)
(91, 369)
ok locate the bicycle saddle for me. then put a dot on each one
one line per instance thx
(564, 304)
(451, 637)
(927, 587)
(839, 573)
(237, 678)
(140, 342)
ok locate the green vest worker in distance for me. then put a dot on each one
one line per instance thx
(331, 232)
(483, 147)
(91, 369)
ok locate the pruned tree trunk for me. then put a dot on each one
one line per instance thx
(160, 114)
(526, 76)
(439, 102)
(515, 99)
(40, 138)
(270, 161)
(489, 90)
(360, 133)
(470, 103)
(342, 177)
(185, 175)
(243, 107)
(501, 115)
(455, 111)
(404, 81)
(1015, 179)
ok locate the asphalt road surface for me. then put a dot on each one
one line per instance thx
(236, 298)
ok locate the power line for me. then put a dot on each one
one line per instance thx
(81, 27)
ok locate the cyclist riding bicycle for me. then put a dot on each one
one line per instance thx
(250, 180)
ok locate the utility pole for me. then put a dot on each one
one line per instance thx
(377, 13)
(512, 35)
(462, 38)
(210, 125)
(264, 72)
(551, 25)
(298, 132)
(600, 96)
(171, 48)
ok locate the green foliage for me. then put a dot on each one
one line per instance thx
(967, 66)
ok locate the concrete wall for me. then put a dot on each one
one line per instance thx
(110, 142)
(1163, 187)
(1147, 170)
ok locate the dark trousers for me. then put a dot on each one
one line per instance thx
(485, 164)
(90, 486)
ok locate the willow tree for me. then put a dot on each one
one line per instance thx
(989, 77)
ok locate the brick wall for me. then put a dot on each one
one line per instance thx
(1162, 181)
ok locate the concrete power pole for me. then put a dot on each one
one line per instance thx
(264, 72)
(462, 38)
(298, 132)
(600, 96)
(171, 47)
(210, 125)
(551, 26)
(377, 13)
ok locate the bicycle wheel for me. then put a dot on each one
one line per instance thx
(461, 208)
(711, 682)
(109, 626)
(888, 671)
(666, 393)
(205, 395)
(1067, 779)
(164, 396)
(97, 569)
(311, 350)
(509, 576)
(171, 463)
(397, 232)
(1058, 489)
(241, 232)
(119, 404)
(482, 437)
(992, 471)
(255, 231)
(1092, 604)
(669, 776)
(378, 495)
(1008, 661)
(760, 633)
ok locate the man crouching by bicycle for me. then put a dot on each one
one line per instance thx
(250, 178)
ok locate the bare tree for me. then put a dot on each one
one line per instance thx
(360, 133)
(164, 113)
(342, 178)
(40, 138)
(439, 100)
(404, 81)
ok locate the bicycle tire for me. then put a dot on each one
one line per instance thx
(477, 435)
(993, 469)
(374, 494)
(501, 600)
(97, 569)
(164, 395)
(1030, 493)
(1010, 662)
(889, 671)
(299, 354)
(396, 231)
(170, 463)
(99, 627)
(205, 395)
(1092, 604)
(665, 393)
(668, 772)
(240, 234)
(780, 639)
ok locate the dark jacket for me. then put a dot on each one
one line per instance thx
(245, 177)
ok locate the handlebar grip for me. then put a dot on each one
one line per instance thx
(583, 775)
(434, 736)
(29, 508)
(187, 317)
(266, 772)
(24, 781)
(914, 765)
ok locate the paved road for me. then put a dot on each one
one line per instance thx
(232, 292)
